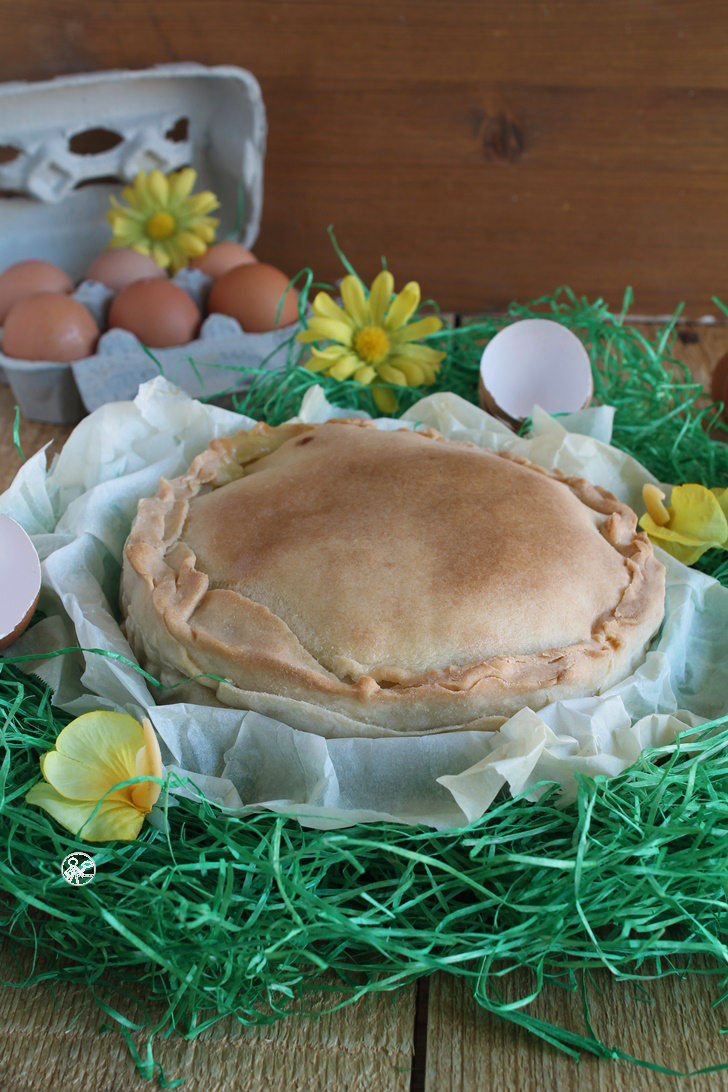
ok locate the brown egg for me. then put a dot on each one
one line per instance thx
(160, 313)
(25, 279)
(252, 295)
(118, 268)
(19, 580)
(49, 327)
(219, 258)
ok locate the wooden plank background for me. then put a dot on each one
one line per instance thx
(492, 149)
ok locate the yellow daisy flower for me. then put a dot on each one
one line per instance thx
(373, 338)
(696, 520)
(93, 754)
(164, 218)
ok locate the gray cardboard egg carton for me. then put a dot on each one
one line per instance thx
(54, 195)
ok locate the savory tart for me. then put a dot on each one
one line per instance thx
(354, 581)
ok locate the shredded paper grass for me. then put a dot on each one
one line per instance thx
(561, 846)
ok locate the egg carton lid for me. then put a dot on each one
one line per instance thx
(67, 144)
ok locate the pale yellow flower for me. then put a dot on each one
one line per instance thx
(93, 754)
(373, 337)
(695, 521)
(163, 218)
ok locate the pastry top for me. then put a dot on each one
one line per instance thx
(388, 575)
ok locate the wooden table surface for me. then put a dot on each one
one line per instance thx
(490, 150)
(432, 1036)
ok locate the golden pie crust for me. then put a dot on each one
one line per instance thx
(354, 581)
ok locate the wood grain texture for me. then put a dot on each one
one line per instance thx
(673, 1026)
(51, 1040)
(490, 150)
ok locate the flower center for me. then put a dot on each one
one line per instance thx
(372, 344)
(161, 225)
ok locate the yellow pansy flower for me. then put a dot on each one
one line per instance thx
(695, 521)
(373, 337)
(164, 218)
(93, 754)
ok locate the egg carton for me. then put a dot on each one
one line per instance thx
(216, 363)
(54, 196)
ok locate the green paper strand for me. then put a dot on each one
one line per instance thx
(256, 917)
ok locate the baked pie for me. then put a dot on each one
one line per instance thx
(354, 581)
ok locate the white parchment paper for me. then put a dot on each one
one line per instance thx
(78, 513)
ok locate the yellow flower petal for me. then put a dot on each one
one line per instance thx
(658, 533)
(118, 211)
(330, 354)
(182, 183)
(158, 188)
(352, 293)
(191, 244)
(345, 367)
(413, 372)
(314, 365)
(161, 255)
(326, 329)
(695, 511)
(321, 359)
(92, 754)
(148, 763)
(139, 196)
(688, 555)
(721, 495)
(325, 307)
(380, 296)
(127, 233)
(365, 375)
(202, 203)
(385, 399)
(79, 781)
(392, 375)
(115, 819)
(404, 306)
(421, 354)
(422, 328)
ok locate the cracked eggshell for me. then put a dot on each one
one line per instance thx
(19, 580)
(534, 362)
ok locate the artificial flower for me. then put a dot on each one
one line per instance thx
(164, 218)
(373, 337)
(695, 521)
(94, 754)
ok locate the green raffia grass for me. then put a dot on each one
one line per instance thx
(254, 916)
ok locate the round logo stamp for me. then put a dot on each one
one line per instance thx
(78, 869)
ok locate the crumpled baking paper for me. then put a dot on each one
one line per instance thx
(79, 512)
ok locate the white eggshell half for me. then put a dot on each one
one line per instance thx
(536, 362)
(19, 580)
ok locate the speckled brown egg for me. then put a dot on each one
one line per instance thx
(118, 268)
(49, 327)
(24, 279)
(221, 257)
(160, 313)
(252, 294)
